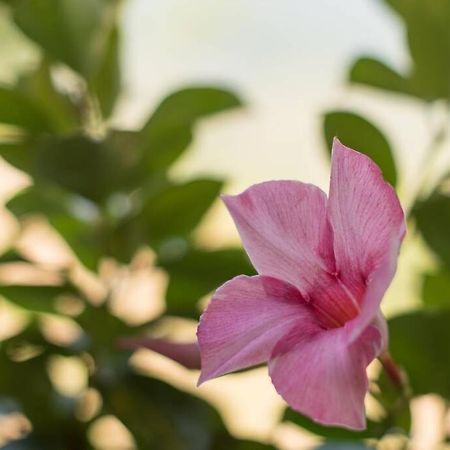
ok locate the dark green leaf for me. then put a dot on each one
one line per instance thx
(374, 429)
(107, 78)
(83, 236)
(66, 29)
(429, 43)
(20, 110)
(426, 23)
(169, 130)
(359, 134)
(199, 272)
(52, 415)
(433, 220)
(17, 154)
(419, 343)
(39, 86)
(159, 416)
(34, 298)
(343, 446)
(374, 73)
(178, 209)
(80, 164)
(436, 289)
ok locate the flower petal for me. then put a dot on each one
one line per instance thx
(245, 319)
(377, 284)
(367, 220)
(323, 376)
(284, 228)
(185, 353)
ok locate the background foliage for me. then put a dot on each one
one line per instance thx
(108, 193)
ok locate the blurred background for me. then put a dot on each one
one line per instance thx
(121, 122)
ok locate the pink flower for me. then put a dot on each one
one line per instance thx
(312, 312)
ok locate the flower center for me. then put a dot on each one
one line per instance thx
(334, 303)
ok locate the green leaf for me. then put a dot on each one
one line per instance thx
(343, 446)
(159, 416)
(67, 30)
(418, 342)
(199, 272)
(178, 208)
(169, 130)
(20, 110)
(52, 415)
(106, 81)
(34, 298)
(433, 221)
(426, 23)
(17, 154)
(436, 289)
(38, 85)
(358, 133)
(374, 73)
(374, 429)
(83, 236)
(81, 165)
(429, 43)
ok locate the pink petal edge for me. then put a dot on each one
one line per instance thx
(243, 322)
(283, 226)
(323, 375)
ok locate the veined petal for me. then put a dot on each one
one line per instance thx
(245, 319)
(368, 224)
(283, 226)
(323, 375)
(377, 283)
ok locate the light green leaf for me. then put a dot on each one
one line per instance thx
(106, 81)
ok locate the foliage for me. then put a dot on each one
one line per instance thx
(108, 192)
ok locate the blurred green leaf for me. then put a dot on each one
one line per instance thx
(34, 298)
(426, 23)
(433, 221)
(106, 81)
(436, 289)
(374, 73)
(20, 110)
(83, 236)
(198, 272)
(374, 429)
(169, 130)
(178, 208)
(418, 342)
(52, 415)
(80, 164)
(359, 134)
(17, 154)
(39, 86)
(397, 414)
(343, 446)
(66, 29)
(161, 417)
